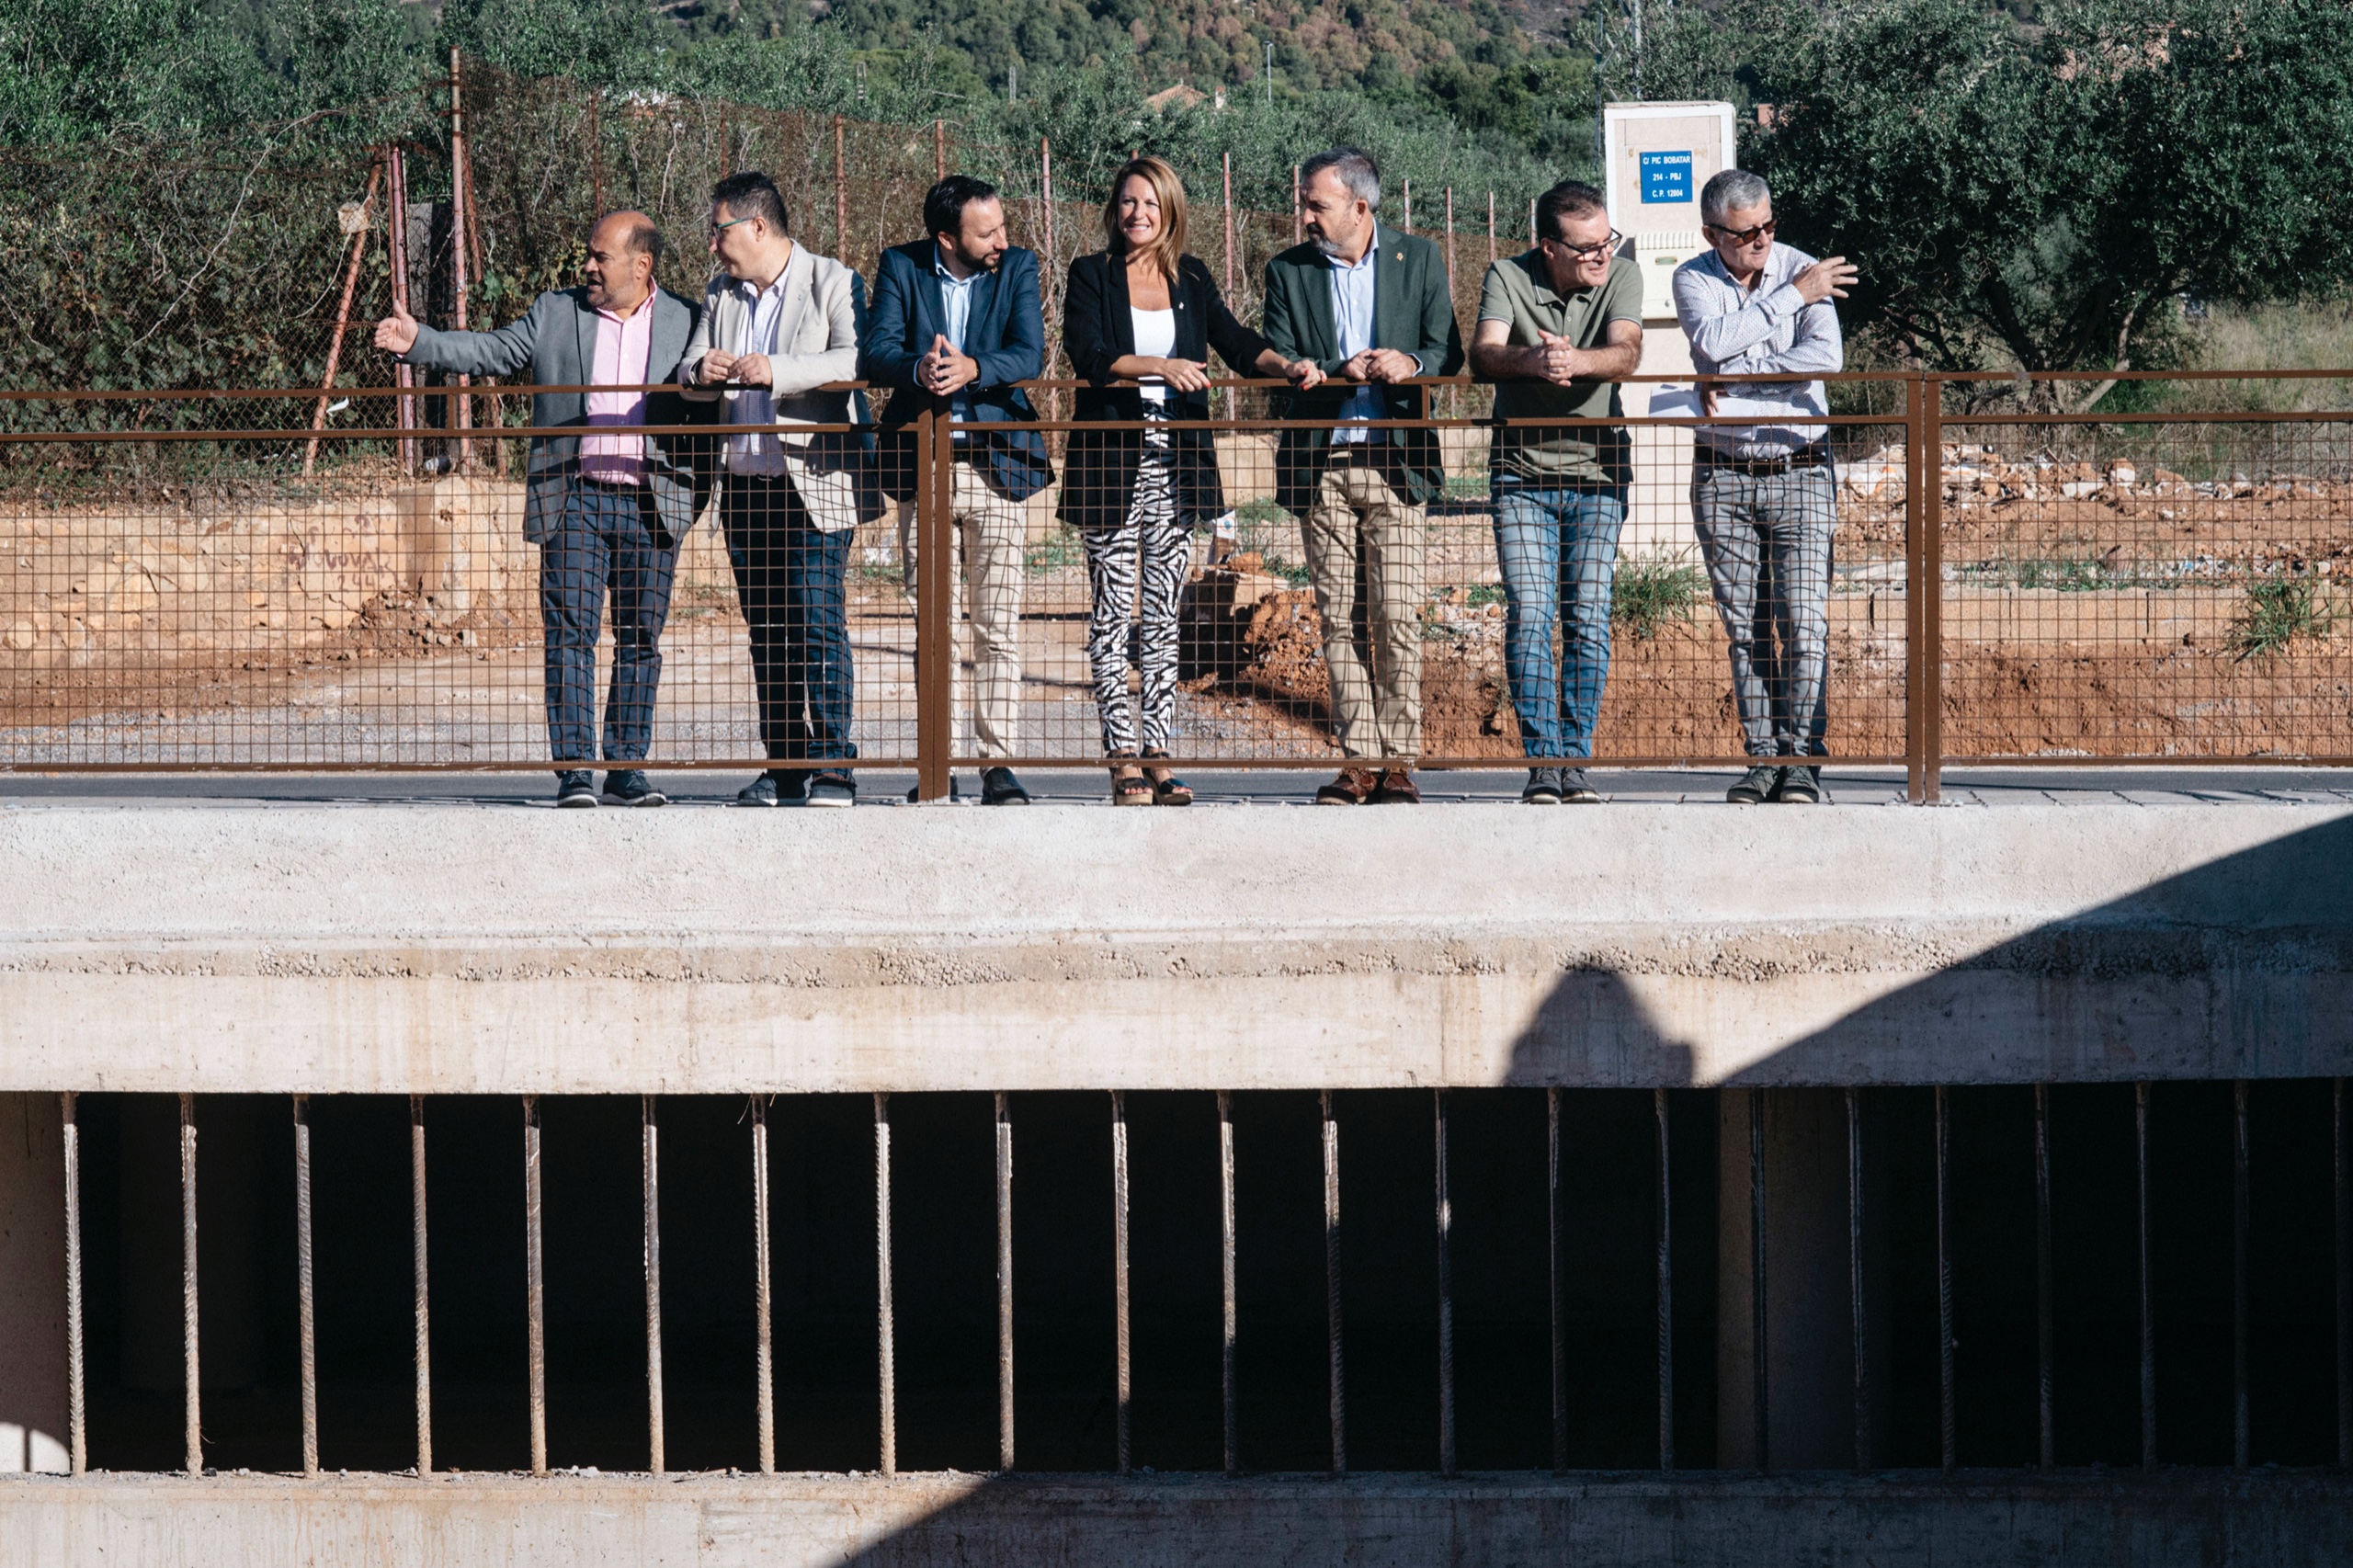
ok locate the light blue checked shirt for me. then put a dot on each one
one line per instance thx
(1760, 332)
(956, 303)
(1352, 302)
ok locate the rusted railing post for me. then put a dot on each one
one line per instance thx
(342, 321)
(457, 238)
(1918, 477)
(397, 249)
(841, 199)
(935, 601)
(1932, 597)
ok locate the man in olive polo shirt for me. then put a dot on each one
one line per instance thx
(1555, 324)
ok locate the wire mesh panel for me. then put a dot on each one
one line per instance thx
(1185, 591)
(208, 603)
(2151, 587)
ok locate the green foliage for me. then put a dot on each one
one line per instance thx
(2039, 197)
(2279, 614)
(1649, 594)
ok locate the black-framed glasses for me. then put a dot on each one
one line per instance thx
(715, 230)
(1764, 230)
(1594, 252)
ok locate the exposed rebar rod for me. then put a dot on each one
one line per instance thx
(1759, 1357)
(424, 1298)
(1947, 1451)
(2240, 1447)
(1854, 1277)
(1665, 1301)
(2046, 1445)
(2148, 1303)
(1004, 1283)
(651, 1136)
(889, 1377)
(1445, 1300)
(535, 1297)
(764, 1352)
(76, 1413)
(1123, 1409)
(1228, 1280)
(191, 1408)
(1331, 1284)
(306, 1299)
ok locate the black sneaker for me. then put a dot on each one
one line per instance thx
(1000, 787)
(1798, 787)
(1543, 788)
(1575, 791)
(1755, 786)
(778, 787)
(628, 786)
(576, 787)
(833, 787)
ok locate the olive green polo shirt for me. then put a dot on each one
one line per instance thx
(1519, 293)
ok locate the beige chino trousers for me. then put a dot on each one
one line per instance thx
(1364, 556)
(993, 530)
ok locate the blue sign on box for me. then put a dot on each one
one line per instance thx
(1666, 177)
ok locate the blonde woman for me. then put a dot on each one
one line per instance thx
(1142, 309)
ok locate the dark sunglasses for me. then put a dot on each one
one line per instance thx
(1746, 237)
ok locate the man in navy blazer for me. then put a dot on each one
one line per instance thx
(955, 325)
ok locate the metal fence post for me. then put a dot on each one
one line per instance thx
(1930, 657)
(1916, 480)
(935, 600)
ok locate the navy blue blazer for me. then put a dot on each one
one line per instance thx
(1007, 336)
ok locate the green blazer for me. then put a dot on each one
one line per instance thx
(1413, 310)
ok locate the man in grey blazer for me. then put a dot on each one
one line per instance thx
(778, 323)
(607, 512)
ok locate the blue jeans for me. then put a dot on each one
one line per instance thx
(607, 542)
(1558, 547)
(788, 581)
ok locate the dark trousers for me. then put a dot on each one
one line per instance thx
(788, 581)
(607, 542)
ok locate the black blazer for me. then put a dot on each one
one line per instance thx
(1098, 475)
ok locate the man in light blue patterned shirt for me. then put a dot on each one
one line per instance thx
(1764, 500)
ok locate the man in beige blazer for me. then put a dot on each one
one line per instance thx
(779, 322)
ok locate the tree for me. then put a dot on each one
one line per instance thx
(2042, 198)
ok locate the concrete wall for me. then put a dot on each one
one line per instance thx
(2114, 1521)
(429, 949)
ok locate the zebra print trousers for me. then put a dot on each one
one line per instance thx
(1136, 571)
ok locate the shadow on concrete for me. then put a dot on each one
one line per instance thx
(2238, 967)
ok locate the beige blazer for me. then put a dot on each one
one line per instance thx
(816, 342)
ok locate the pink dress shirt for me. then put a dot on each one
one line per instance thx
(622, 348)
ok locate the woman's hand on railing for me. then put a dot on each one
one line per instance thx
(1182, 375)
(1304, 374)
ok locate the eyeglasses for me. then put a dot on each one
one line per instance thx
(715, 230)
(1746, 237)
(1592, 252)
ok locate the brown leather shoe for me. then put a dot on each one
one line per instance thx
(1354, 787)
(1397, 789)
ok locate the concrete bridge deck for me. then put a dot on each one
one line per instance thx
(411, 947)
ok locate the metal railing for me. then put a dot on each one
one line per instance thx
(1903, 1269)
(200, 580)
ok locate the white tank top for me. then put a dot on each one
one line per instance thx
(1156, 333)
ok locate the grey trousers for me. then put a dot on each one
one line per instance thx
(1767, 540)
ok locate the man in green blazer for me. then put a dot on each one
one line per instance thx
(1373, 308)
